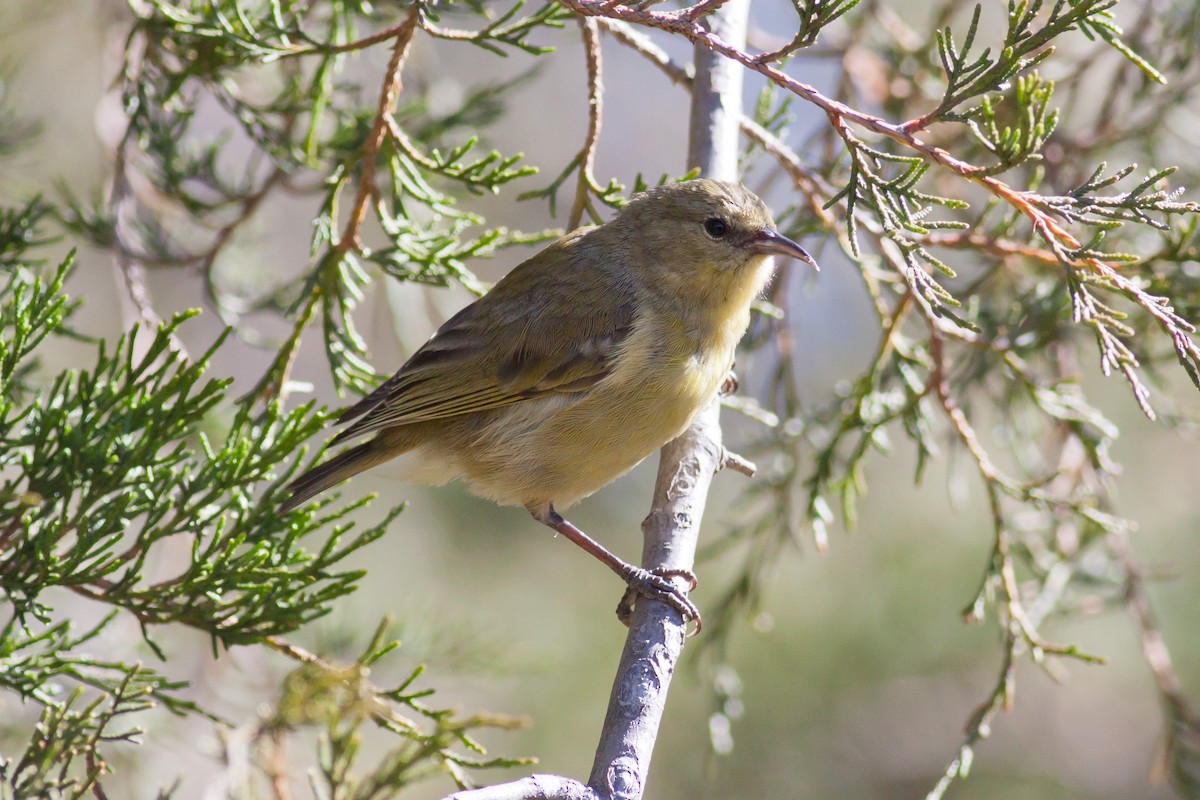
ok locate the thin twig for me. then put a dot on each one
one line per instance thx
(389, 91)
(247, 205)
(587, 155)
(962, 427)
(987, 243)
(737, 463)
(805, 178)
(401, 29)
(133, 272)
(274, 381)
(980, 724)
(292, 651)
(1154, 648)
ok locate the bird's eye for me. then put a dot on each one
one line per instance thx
(716, 227)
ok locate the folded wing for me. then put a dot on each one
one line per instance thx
(524, 339)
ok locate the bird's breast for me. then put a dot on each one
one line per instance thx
(660, 382)
(564, 447)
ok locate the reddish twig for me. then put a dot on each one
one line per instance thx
(275, 379)
(587, 155)
(1065, 246)
(390, 90)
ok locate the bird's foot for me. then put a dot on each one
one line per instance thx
(658, 584)
(729, 385)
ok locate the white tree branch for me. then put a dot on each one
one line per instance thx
(671, 529)
(717, 96)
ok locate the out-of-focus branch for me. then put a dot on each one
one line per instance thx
(711, 40)
(133, 272)
(1182, 734)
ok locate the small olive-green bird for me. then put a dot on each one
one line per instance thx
(578, 364)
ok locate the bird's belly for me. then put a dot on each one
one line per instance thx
(560, 450)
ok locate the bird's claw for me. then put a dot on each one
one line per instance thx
(729, 385)
(658, 585)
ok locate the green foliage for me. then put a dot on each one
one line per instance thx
(275, 70)
(112, 471)
(65, 756)
(885, 201)
(812, 17)
(105, 469)
(119, 442)
(341, 703)
(1026, 44)
(33, 310)
(506, 29)
(19, 232)
(1016, 144)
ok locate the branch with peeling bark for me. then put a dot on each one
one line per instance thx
(671, 530)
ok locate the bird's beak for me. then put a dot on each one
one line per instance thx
(773, 243)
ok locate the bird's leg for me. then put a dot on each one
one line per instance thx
(655, 584)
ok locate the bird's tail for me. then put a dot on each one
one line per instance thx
(334, 471)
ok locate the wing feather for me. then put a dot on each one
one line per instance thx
(522, 340)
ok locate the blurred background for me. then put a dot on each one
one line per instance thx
(858, 675)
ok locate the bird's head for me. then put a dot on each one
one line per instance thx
(704, 238)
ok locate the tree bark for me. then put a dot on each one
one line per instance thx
(671, 529)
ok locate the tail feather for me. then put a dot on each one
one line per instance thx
(334, 471)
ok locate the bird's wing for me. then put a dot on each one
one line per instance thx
(530, 336)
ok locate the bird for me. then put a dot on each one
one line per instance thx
(577, 365)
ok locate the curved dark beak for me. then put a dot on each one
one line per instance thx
(773, 243)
